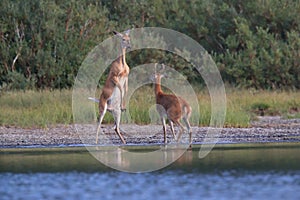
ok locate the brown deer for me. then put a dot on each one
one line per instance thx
(117, 78)
(171, 107)
(118, 69)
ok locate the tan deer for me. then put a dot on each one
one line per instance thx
(118, 69)
(172, 108)
(117, 78)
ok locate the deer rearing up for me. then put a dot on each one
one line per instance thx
(119, 70)
(173, 108)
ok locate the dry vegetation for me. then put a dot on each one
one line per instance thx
(46, 108)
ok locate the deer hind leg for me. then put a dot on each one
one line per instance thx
(115, 80)
(117, 118)
(102, 111)
(125, 91)
(181, 130)
(188, 126)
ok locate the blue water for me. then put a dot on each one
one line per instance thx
(162, 185)
(248, 171)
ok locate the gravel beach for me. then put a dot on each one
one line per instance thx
(266, 129)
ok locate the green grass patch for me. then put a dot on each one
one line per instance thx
(36, 108)
(248, 104)
(46, 108)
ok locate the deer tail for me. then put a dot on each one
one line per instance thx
(94, 99)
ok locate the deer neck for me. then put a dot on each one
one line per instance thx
(157, 88)
(122, 59)
(123, 56)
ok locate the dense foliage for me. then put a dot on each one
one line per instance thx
(254, 43)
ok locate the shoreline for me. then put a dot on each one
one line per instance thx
(265, 130)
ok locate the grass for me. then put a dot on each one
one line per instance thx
(246, 105)
(35, 108)
(46, 108)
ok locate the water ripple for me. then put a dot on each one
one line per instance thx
(159, 185)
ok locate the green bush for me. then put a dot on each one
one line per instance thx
(254, 43)
(260, 108)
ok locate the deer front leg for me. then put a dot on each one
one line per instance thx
(163, 120)
(172, 129)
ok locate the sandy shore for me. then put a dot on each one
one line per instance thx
(267, 129)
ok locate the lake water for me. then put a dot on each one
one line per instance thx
(230, 171)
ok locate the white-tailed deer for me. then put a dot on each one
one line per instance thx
(119, 69)
(117, 78)
(171, 107)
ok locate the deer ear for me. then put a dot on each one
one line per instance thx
(152, 77)
(127, 32)
(117, 33)
(155, 67)
(163, 74)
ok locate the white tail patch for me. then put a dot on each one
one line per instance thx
(94, 99)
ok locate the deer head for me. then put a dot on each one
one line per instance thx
(125, 39)
(158, 72)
